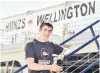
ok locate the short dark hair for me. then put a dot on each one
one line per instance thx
(47, 24)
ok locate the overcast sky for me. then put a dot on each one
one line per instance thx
(13, 7)
(9, 8)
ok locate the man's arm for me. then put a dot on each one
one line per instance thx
(37, 67)
(65, 51)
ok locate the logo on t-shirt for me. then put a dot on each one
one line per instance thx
(44, 53)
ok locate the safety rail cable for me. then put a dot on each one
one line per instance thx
(65, 42)
(77, 61)
(84, 63)
(91, 65)
(96, 70)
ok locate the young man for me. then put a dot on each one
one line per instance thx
(39, 52)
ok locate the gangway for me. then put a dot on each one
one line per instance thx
(95, 37)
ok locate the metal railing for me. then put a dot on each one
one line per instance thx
(78, 61)
(69, 55)
(91, 65)
(83, 64)
(82, 46)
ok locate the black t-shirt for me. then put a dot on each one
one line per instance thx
(42, 52)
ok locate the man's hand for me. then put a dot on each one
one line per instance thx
(55, 68)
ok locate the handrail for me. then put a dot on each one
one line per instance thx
(93, 33)
(91, 65)
(80, 32)
(20, 69)
(82, 46)
(67, 41)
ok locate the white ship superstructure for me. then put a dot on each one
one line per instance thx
(67, 18)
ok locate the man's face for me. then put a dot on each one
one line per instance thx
(45, 32)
